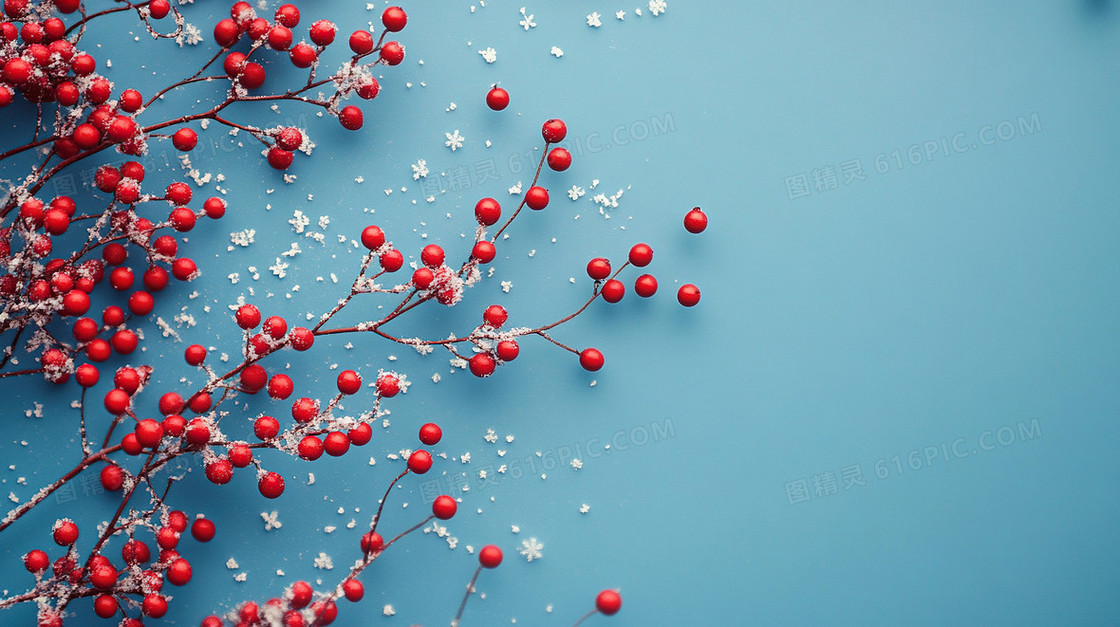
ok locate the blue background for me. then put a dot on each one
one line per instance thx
(948, 298)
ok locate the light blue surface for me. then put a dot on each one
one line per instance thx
(966, 299)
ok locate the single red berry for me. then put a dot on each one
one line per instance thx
(300, 594)
(495, 316)
(484, 252)
(149, 432)
(392, 53)
(179, 572)
(430, 433)
(645, 285)
(117, 401)
(353, 590)
(487, 211)
(253, 378)
(65, 532)
(271, 485)
(214, 207)
(87, 375)
(641, 255)
(371, 542)
(219, 471)
(536, 197)
(591, 359)
(112, 477)
(302, 338)
(336, 443)
(688, 295)
(184, 139)
(360, 435)
(75, 303)
(369, 89)
(444, 507)
(351, 117)
(394, 19)
(422, 278)
(103, 576)
(279, 158)
(280, 387)
(105, 606)
(559, 159)
(322, 32)
(608, 602)
(280, 37)
(598, 268)
(198, 432)
(266, 427)
(184, 269)
(373, 237)
(275, 326)
(613, 291)
(156, 278)
(154, 605)
(695, 221)
(174, 425)
(195, 354)
(432, 255)
(420, 462)
(554, 131)
(304, 409)
(248, 316)
(302, 55)
(482, 364)
(349, 382)
(508, 350)
(240, 455)
(159, 8)
(36, 561)
(490, 556)
(388, 385)
(288, 15)
(135, 552)
(361, 42)
(203, 529)
(497, 98)
(141, 303)
(226, 32)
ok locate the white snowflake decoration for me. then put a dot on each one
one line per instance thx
(527, 20)
(454, 140)
(531, 549)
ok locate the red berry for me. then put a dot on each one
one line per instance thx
(195, 354)
(392, 53)
(248, 316)
(394, 19)
(645, 285)
(490, 556)
(613, 291)
(279, 158)
(280, 386)
(198, 433)
(155, 278)
(422, 278)
(65, 533)
(117, 401)
(135, 552)
(226, 32)
(75, 303)
(302, 55)
(159, 8)
(322, 32)
(87, 375)
(559, 159)
(432, 256)
(444, 507)
(388, 385)
(497, 98)
(219, 471)
(302, 338)
(695, 221)
(351, 117)
(371, 542)
(112, 477)
(484, 252)
(141, 303)
(598, 268)
(495, 316)
(430, 433)
(361, 42)
(591, 359)
(280, 38)
(373, 237)
(174, 425)
(554, 131)
(271, 485)
(641, 255)
(87, 136)
(608, 602)
(349, 382)
(240, 455)
(420, 462)
(266, 427)
(288, 15)
(103, 577)
(179, 572)
(154, 605)
(688, 295)
(275, 327)
(353, 590)
(508, 350)
(149, 432)
(203, 529)
(536, 197)
(184, 139)
(36, 561)
(391, 260)
(253, 378)
(289, 138)
(487, 211)
(336, 443)
(360, 435)
(304, 409)
(214, 207)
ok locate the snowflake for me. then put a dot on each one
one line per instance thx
(271, 521)
(324, 562)
(576, 192)
(556, 52)
(454, 140)
(420, 169)
(489, 55)
(577, 463)
(621, 15)
(531, 549)
(190, 35)
(527, 20)
(656, 7)
(593, 20)
(280, 268)
(515, 189)
(583, 509)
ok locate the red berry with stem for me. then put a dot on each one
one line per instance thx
(688, 295)
(554, 131)
(490, 556)
(351, 117)
(219, 471)
(105, 606)
(305, 409)
(444, 507)
(148, 432)
(271, 485)
(508, 350)
(420, 462)
(117, 401)
(373, 237)
(65, 532)
(159, 8)
(302, 338)
(609, 602)
(240, 455)
(87, 375)
(198, 432)
(36, 562)
(641, 255)
(275, 326)
(203, 529)
(432, 255)
(695, 221)
(484, 252)
(266, 427)
(248, 316)
(388, 385)
(422, 278)
(195, 354)
(559, 159)
(349, 382)
(360, 435)
(353, 590)
(226, 32)
(613, 291)
(303, 55)
(495, 316)
(392, 53)
(391, 260)
(322, 32)
(645, 285)
(591, 359)
(280, 38)
(536, 197)
(487, 211)
(497, 98)
(430, 433)
(371, 542)
(361, 42)
(598, 268)
(482, 365)
(394, 18)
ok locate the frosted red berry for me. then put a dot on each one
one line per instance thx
(392, 53)
(65, 533)
(271, 485)
(482, 365)
(310, 448)
(247, 316)
(351, 117)
(388, 385)
(266, 427)
(432, 255)
(495, 316)
(302, 338)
